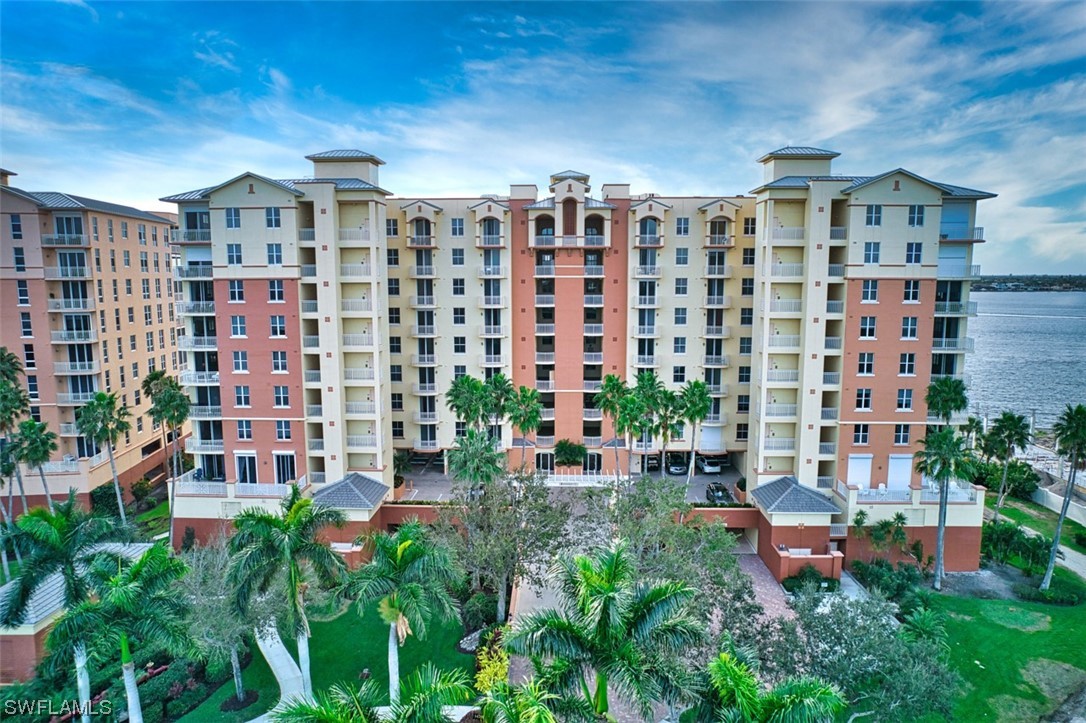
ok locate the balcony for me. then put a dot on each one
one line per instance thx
(958, 271)
(364, 306)
(833, 342)
(190, 343)
(956, 492)
(647, 271)
(266, 489)
(827, 448)
(421, 242)
(592, 414)
(831, 379)
(422, 272)
(718, 332)
(835, 270)
(786, 271)
(423, 330)
(592, 442)
(544, 329)
(783, 341)
(70, 305)
(544, 442)
(720, 241)
(75, 337)
(957, 375)
(194, 378)
(307, 235)
(779, 444)
(309, 271)
(645, 360)
(66, 272)
(187, 485)
(546, 414)
(955, 308)
(593, 270)
(649, 240)
(544, 357)
(492, 272)
(314, 410)
(648, 300)
(204, 446)
(826, 483)
(423, 389)
(312, 376)
(593, 329)
(782, 376)
(593, 357)
(425, 417)
(69, 429)
(315, 445)
(493, 330)
(490, 241)
(786, 306)
(649, 330)
(591, 385)
(356, 271)
(74, 399)
(780, 410)
(193, 272)
(358, 340)
(354, 234)
(717, 301)
(203, 411)
(423, 360)
(717, 390)
(311, 341)
(65, 239)
(829, 414)
(190, 236)
(718, 271)
(81, 367)
(194, 308)
(492, 360)
(644, 446)
(493, 302)
(544, 241)
(716, 360)
(835, 306)
(544, 270)
(838, 233)
(426, 445)
(544, 385)
(361, 441)
(960, 232)
(715, 418)
(423, 302)
(593, 299)
(788, 233)
(359, 374)
(544, 299)
(961, 344)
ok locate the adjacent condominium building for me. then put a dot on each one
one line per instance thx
(325, 319)
(86, 291)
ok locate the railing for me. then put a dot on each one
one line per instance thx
(70, 399)
(544, 441)
(718, 301)
(593, 357)
(356, 305)
(194, 378)
(785, 306)
(426, 445)
(648, 240)
(311, 341)
(782, 375)
(490, 360)
(489, 302)
(314, 410)
(788, 233)
(647, 271)
(716, 360)
(203, 411)
(197, 342)
(362, 441)
(838, 233)
(645, 360)
(424, 388)
(831, 378)
(69, 429)
(544, 329)
(593, 329)
(785, 270)
(423, 330)
(309, 270)
(183, 235)
(824, 483)
(779, 444)
(490, 240)
(70, 305)
(780, 410)
(833, 342)
(204, 446)
(719, 240)
(718, 331)
(592, 442)
(827, 447)
(644, 445)
(650, 330)
(722, 271)
(593, 270)
(717, 418)
(544, 299)
(490, 272)
(956, 492)
(423, 271)
(958, 271)
(262, 489)
(964, 343)
(356, 270)
(85, 335)
(65, 239)
(188, 485)
(872, 494)
(83, 367)
(365, 340)
(956, 308)
(420, 241)
(421, 301)
(423, 359)
(648, 300)
(307, 234)
(783, 341)
(835, 270)
(838, 529)
(544, 385)
(544, 357)
(717, 390)
(960, 232)
(354, 234)
(315, 445)
(194, 307)
(584, 479)
(835, 306)
(544, 270)
(312, 376)
(67, 466)
(593, 299)
(193, 272)
(316, 478)
(591, 414)
(546, 413)
(829, 413)
(359, 374)
(590, 385)
(424, 417)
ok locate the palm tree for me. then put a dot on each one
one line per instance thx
(945, 397)
(973, 429)
(14, 403)
(630, 421)
(525, 703)
(526, 414)
(696, 404)
(649, 390)
(946, 456)
(63, 542)
(468, 399)
(103, 422)
(34, 445)
(10, 366)
(501, 396)
(134, 604)
(410, 576)
(1010, 432)
(475, 459)
(669, 413)
(266, 545)
(735, 695)
(608, 399)
(170, 407)
(1070, 433)
(610, 625)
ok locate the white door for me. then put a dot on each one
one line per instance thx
(899, 472)
(711, 439)
(859, 470)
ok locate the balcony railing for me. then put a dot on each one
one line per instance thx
(592, 414)
(650, 271)
(833, 342)
(782, 375)
(424, 417)
(593, 357)
(82, 336)
(648, 300)
(307, 235)
(648, 240)
(593, 299)
(838, 233)
(354, 234)
(829, 414)
(546, 414)
(718, 271)
(197, 342)
(645, 360)
(490, 240)
(426, 445)
(788, 233)
(544, 385)
(417, 242)
(956, 308)
(72, 399)
(593, 270)
(494, 330)
(544, 442)
(193, 272)
(780, 410)
(717, 331)
(81, 367)
(544, 329)
(491, 272)
(69, 429)
(202, 411)
(204, 446)
(831, 378)
(544, 299)
(418, 302)
(716, 360)
(648, 330)
(960, 232)
(779, 444)
(715, 418)
(70, 305)
(964, 343)
(835, 306)
(190, 236)
(591, 385)
(718, 301)
(311, 341)
(312, 376)
(544, 357)
(958, 271)
(424, 388)
(593, 329)
(592, 442)
(835, 270)
(353, 305)
(263, 489)
(827, 447)
(422, 272)
(66, 272)
(423, 360)
(314, 410)
(194, 378)
(359, 374)
(363, 340)
(315, 445)
(544, 270)
(356, 270)
(492, 360)
(717, 390)
(65, 239)
(491, 302)
(783, 270)
(423, 330)
(825, 483)
(720, 240)
(783, 341)
(183, 308)
(786, 306)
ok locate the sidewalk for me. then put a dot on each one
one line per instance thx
(282, 665)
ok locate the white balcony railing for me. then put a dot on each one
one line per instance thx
(829, 414)
(315, 445)
(544, 270)
(718, 331)
(203, 411)
(717, 300)
(66, 272)
(204, 446)
(786, 306)
(72, 399)
(779, 444)
(364, 305)
(203, 271)
(424, 388)
(493, 330)
(489, 302)
(780, 410)
(363, 340)
(958, 271)
(544, 357)
(185, 235)
(651, 271)
(827, 447)
(783, 270)
(491, 360)
(593, 299)
(426, 445)
(831, 378)
(422, 271)
(311, 341)
(425, 417)
(592, 414)
(719, 271)
(544, 385)
(593, 357)
(835, 306)
(314, 410)
(835, 270)
(788, 233)
(195, 378)
(197, 342)
(83, 367)
(354, 234)
(591, 385)
(964, 343)
(356, 270)
(956, 308)
(782, 375)
(544, 329)
(593, 329)
(359, 374)
(833, 342)
(783, 341)
(716, 360)
(423, 330)
(423, 360)
(491, 272)
(82, 336)
(838, 233)
(544, 299)
(65, 239)
(645, 360)
(183, 308)
(307, 234)
(593, 270)
(70, 305)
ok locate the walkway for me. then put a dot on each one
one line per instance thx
(282, 665)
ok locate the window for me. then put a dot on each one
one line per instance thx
(241, 395)
(904, 400)
(742, 432)
(112, 264)
(914, 251)
(866, 364)
(458, 257)
(916, 216)
(145, 288)
(141, 233)
(748, 257)
(237, 325)
(19, 257)
(395, 372)
(458, 315)
(908, 327)
(271, 217)
(397, 402)
(682, 226)
(860, 433)
(682, 256)
(745, 345)
(275, 254)
(750, 226)
(746, 316)
(279, 361)
(460, 345)
(459, 370)
(29, 360)
(742, 403)
(744, 375)
(32, 386)
(124, 229)
(907, 365)
(392, 228)
(397, 430)
(870, 293)
(680, 287)
(245, 430)
(26, 328)
(867, 327)
(680, 316)
(94, 227)
(395, 345)
(127, 259)
(237, 290)
(746, 287)
(24, 292)
(392, 256)
(871, 252)
(276, 292)
(393, 287)
(149, 341)
(278, 325)
(143, 261)
(16, 226)
(282, 430)
(912, 292)
(458, 287)
(241, 361)
(461, 429)
(233, 254)
(874, 215)
(680, 345)
(109, 229)
(863, 399)
(678, 375)
(282, 396)
(233, 218)
(127, 288)
(457, 229)
(901, 434)
(98, 260)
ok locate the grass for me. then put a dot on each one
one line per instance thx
(1039, 519)
(155, 521)
(339, 650)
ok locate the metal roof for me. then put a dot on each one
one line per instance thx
(345, 154)
(787, 495)
(947, 189)
(570, 175)
(353, 492)
(289, 184)
(650, 199)
(342, 184)
(799, 152)
(717, 201)
(57, 200)
(962, 192)
(588, 203)
(541, 203)
(596, 203)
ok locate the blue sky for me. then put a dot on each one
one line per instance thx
(132, 101)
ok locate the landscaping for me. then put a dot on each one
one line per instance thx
(1043, 520)
(154, 521)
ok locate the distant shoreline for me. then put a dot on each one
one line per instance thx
(1029, 283)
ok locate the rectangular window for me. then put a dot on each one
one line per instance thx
(278, 325)
(457, 229)
(149, 341)
(26, 328)
(873, 216)
(746, 317)
(744, 375)
(245, 430)
(127, 256)
(282, 395)
(94, 227)
(912, 292)
(680, 345)
(860, 434)
(279, 361)
(748, 256)
(678, 375)
(392, 228)
(750, 226)
(395, 345)
(458, 256)
(916, 216)
(914, 251)
(742, 432)
(458, 316)
(746, 287)
(233, 218)
(237, 325)
(271, 217)
(392, 256)
(458, 287)
(145, 287)
(393, 287)
(680, 316)
(907, 365)
(904, 400)
(901, 434)
(276, 292)
(275, 254)
(867, 327)
(98, 260)
(16, 226)
(863, 399)
(109, 229)
(397, 430)
(124, 229)
(870, 293)
(459, 370)
(871, 252)
(394, 316)
(742, 403)
(241, 395)
(141, 232)
(460, 345)
(237, 290)
(397, 402)
(233, 254)
(909, 327)
(745, 345)
(241, 361)
(282, 430)
(29, 359)
(866, 364)
(461, 429)
(682, 226)
(395, 372)
(680, 287)
(135, 370)
(32, 386)
(24, 292)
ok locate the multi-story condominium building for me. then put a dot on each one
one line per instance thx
(88, 306)
(816, 310)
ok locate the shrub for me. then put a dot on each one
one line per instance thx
(810, 575)
(492, 663)
(895, 583)
(925, 624)
(568, 454)
(1080, 539)
(193, 695)
(1000, 541)
(1061, 593)
(1021, 479)
(741, 484)
(188, 539)
(141, 490)
(218, 671)
(104, 500)
(480, 611)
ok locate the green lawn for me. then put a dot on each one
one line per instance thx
(1019, 659)
(154, 521)
(1040, 519)
(339, 649)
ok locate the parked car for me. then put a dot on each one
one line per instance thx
(650, 462)
(710, 465)
(676, 465)
(717, 493)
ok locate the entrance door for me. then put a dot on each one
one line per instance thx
(284, 469)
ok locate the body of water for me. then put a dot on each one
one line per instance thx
(1030, 353)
